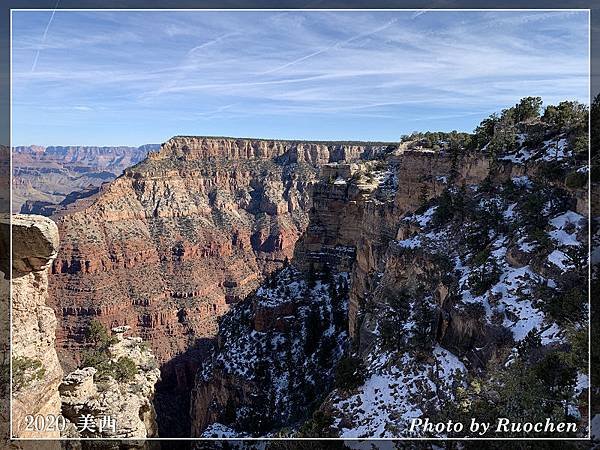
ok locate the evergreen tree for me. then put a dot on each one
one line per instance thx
(229, 413)
(528, 108)
(327, 275)
(423, 194)
(459, 202)
(558, 377)
(444, 211)
(313, 331)
(350, 373)
(98, 335)
(531, 343)
(423, 317)
(514, 392)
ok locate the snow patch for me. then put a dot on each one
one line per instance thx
(523, 181)
(560, 260)
(218, 430)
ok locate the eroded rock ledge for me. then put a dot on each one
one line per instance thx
(127, 402)
(38, 384)
(36, 368)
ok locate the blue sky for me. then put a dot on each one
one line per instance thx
(129, 78)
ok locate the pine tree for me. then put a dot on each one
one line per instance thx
(423, 318)
(313, 330)
(459, 202)
(528, 108)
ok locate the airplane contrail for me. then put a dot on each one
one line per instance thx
(331, 47)
(37, 53)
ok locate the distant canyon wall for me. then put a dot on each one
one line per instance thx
(167, 247)
(44, 176)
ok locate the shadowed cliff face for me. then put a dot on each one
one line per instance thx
(168, 246)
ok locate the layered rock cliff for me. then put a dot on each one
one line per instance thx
(36, 368)
(459, 290)
(44, 176)
(169, 245)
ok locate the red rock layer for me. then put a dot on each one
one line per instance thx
(166, 247)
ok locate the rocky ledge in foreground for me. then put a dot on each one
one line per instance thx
(114, 399)
(36, 368)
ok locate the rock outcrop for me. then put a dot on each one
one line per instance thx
(455, 260)
(36, 368)
(118, 408)
(358, 211)
(289, 323)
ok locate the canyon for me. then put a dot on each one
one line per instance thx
(454, 263)
(170, 245)
(332, 289)
(43, 176)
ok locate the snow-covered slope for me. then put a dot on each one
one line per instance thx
(276, 354)
(464, 269)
